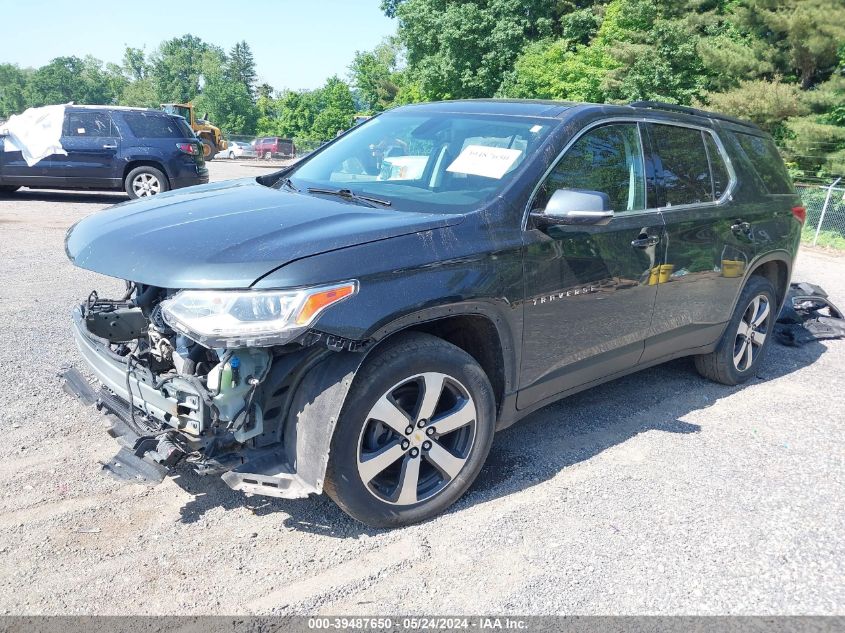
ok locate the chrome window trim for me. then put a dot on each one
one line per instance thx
(726, 196)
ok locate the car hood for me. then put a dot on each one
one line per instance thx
(229, 234)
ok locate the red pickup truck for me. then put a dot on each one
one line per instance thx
(275, 147)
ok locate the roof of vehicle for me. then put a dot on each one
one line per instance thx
(560, 109)
(513, 107)
(112, 108)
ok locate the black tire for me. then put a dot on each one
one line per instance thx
(720, 365)
(5, 190)
(405, 359)
(130, 184)
(212, 152)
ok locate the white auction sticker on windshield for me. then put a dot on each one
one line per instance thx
(480, 160)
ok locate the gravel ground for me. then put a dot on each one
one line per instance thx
(659, 493)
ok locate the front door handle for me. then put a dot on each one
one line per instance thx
(109, 146)
(741, 227)
(645, 242)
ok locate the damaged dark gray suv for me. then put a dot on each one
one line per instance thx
(362, 322)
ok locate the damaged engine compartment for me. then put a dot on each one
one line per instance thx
(171, 399)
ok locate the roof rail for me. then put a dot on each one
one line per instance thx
(671, 107)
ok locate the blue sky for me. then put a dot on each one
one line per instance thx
(297, 43)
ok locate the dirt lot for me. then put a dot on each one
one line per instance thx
(659, 493)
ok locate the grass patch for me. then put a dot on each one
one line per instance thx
(827, 239)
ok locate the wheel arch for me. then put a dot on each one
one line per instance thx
(321, 391)
(144, 162)
(777, 268)
(476, 328)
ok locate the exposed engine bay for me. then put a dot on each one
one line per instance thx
(172, 399)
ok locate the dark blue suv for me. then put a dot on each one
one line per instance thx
(141, 151)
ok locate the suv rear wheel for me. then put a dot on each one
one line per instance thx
(145, 181)
(414, 433)
(746, 338)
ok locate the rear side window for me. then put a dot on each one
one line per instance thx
(767, 162)
(145, 125)
(686, 171)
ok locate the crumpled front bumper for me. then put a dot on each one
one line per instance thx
(265, 471)
(184, 412)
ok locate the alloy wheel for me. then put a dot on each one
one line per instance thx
(145, 185)
(751, 333)
(417, 438)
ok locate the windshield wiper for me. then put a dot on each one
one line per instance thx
(287, 182)
(349, 195)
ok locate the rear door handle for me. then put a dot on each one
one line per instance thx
(109, 146)
(645, 242)
(741, 227)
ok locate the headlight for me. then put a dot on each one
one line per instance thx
(250, 318)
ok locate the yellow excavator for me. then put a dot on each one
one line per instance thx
(210, 135)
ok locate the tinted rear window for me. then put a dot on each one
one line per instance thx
(767, 162)
(144, 125)
(686, 172)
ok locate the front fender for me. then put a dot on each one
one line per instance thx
(314, 412)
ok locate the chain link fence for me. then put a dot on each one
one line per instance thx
(825, 225)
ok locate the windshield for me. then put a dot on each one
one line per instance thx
(442, 163)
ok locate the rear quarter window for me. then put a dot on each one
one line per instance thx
(145, 125)
(764, 156)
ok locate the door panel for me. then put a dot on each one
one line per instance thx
(707, 249)
(17, 172)
(589, 303)
(91, 141)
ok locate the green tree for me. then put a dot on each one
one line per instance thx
(458, 49)
(226, 102)
(67, 79)
(336, 108)
(767, 103)
(375, 76)
(140, 93)
(637, 52)
(177, 65)
(12, 90)
(389, 7)
(240, 67)
(265, 90)
(550, 70)
(135, 64)
(804, 36)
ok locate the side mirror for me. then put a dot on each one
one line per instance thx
(575, 206)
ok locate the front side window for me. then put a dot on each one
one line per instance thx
(686, 171)
(609, 160)
(87, 124)
(432, 162)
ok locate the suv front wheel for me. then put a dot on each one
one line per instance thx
(414, 433)
(747, 336)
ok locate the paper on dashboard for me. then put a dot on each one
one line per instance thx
(480, 160)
